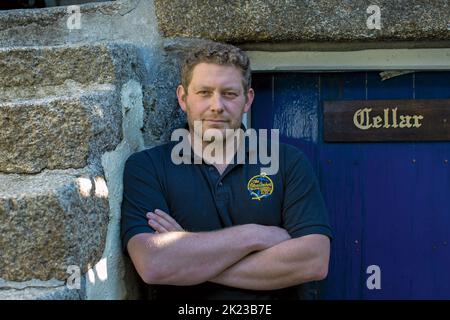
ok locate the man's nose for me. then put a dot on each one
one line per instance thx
(217, 103)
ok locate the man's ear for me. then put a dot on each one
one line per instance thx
(181, 95)
(250, 96)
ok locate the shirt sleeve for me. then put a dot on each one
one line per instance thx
(304, 210)
(142, 192)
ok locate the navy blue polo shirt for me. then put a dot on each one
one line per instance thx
(199, 198)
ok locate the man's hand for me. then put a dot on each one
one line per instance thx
(162, 222)
(268, 236)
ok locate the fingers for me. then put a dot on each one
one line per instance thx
(168, 218)
(162, 222)
(157, 226)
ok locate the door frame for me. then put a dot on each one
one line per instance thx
(337, 61)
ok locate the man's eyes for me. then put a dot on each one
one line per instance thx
(228, 94)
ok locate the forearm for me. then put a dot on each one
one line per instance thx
(185, 258)
(289, 263)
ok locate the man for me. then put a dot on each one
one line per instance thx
(221, 229)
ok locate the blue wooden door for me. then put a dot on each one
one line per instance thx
(389, 203)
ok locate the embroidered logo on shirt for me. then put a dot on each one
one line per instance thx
(260, 186)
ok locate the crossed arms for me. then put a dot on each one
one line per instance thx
(249, 256)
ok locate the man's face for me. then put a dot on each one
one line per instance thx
(215, 97)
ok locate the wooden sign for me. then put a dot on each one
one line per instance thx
(387, 120)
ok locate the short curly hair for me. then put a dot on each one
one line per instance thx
(217, 53)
